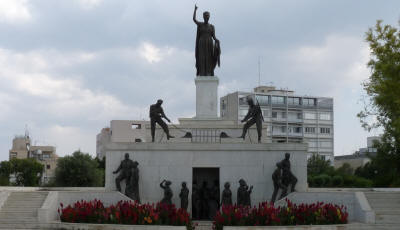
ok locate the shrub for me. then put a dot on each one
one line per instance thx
(310, 181)
(337, 181)
(327, 180)
(360, 182)
(267, 214)
(318, 181)
(125, 212)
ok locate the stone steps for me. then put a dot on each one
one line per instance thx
(386, 206)
(21, 208)
(203, 225)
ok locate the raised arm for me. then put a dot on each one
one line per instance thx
(162, 184)
(194, 14)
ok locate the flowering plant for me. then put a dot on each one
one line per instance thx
(292, 214)
(124, 212)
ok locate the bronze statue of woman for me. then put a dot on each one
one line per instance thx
(207, 51)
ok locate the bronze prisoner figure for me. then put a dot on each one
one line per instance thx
(255, 116)
(132, 186)
(125, 167)
(207, 52)
(226, 195)
(184, 195)
(167, 192)
(243, 193)
(277, 179)
(288, 179)
(156, 115)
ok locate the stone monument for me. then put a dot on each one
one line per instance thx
(203, 151)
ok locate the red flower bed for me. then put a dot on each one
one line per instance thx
(124, 212)
(267, 214)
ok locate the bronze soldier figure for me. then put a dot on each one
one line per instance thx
(156, 115)
(255, 116)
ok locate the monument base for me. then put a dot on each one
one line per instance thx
(206, 96)
(210, 162)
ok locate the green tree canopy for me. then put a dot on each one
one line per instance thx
(383, 90)
(317, 165)
(78, 170)
(27, 172)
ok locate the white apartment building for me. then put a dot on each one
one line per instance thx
(287, 117)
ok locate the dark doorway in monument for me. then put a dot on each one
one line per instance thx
(206, 194)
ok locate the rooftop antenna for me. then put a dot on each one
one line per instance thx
(259, 71)
(26, 131)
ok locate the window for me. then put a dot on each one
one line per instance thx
(312, 144)
(262, 99)
(309, 115)
(309, 101)
(293, 100)
(13, 155)
(279, 129)
(299, 115)
(278, 100)
(325, 116)
(265, 113)
(283, 114)
(325, 144)
(297, 129)
(48, 166)
(310, 129)
(243, 99)
(274, 114)
(243, 112)
(325, 130)
(136, 126)
(223, 104)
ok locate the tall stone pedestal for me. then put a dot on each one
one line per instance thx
(206, 97)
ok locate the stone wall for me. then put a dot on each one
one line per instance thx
(254, 163)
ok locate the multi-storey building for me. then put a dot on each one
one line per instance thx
(287, 117)
(360, 157)
(46, 155)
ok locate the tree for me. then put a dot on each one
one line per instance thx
(383, 91)
(317, 165)
(5, 171)
(27, 172)
(78, 170)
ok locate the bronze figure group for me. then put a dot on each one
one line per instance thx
(206, 201)
(129, 173)
(283, 178)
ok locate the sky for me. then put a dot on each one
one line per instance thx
(68, 67)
